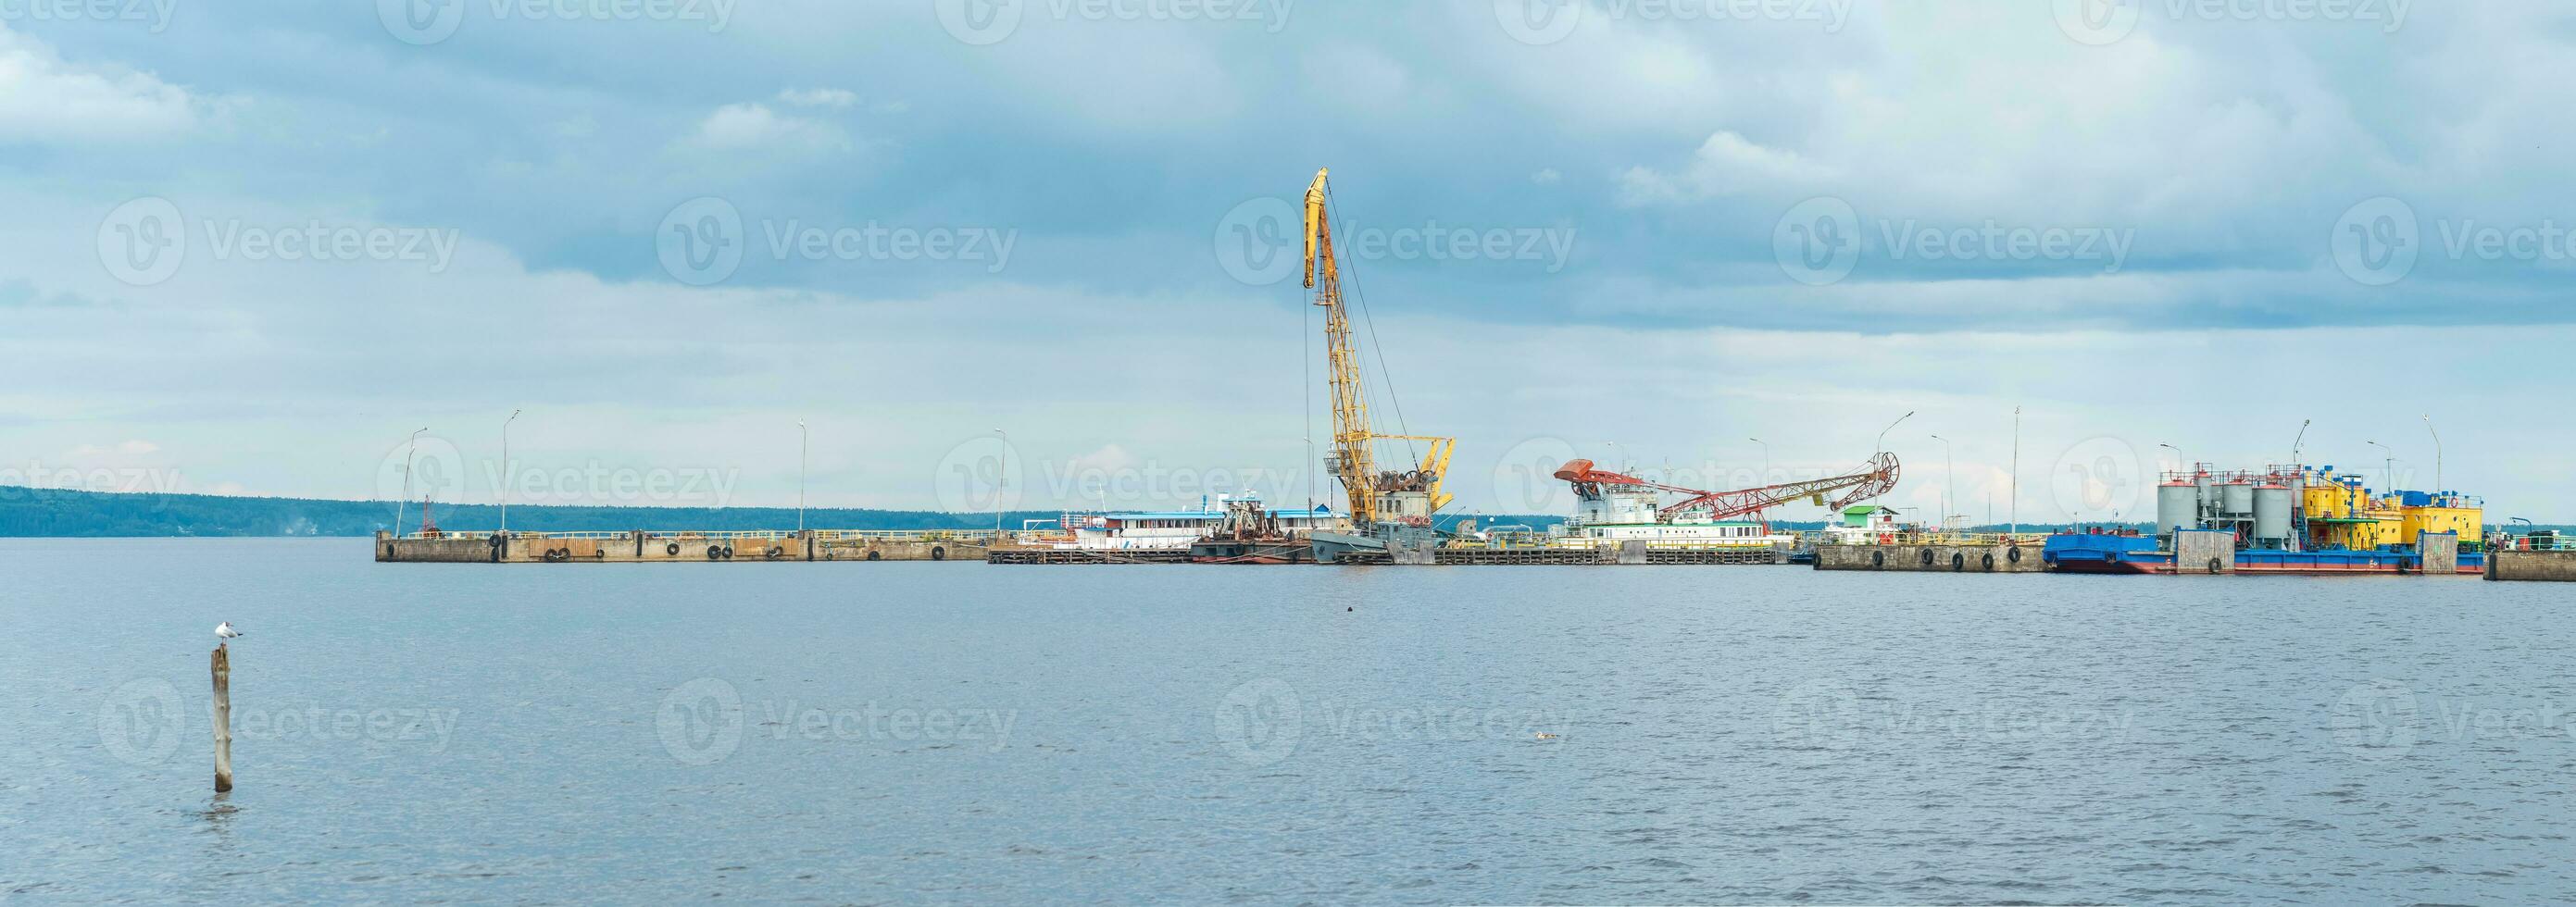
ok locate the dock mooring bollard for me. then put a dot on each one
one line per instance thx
(223, 720)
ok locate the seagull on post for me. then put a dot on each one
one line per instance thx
(225, 631)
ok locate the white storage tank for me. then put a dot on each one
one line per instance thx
(2236, 501)
(2271, 513)
(2177, 507)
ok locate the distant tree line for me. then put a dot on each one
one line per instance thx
(40, 512)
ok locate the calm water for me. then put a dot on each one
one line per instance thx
(961, 733)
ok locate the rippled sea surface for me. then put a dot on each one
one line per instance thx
(899, 732)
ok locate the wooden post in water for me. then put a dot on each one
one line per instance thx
(223, 720)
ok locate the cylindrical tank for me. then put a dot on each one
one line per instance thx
(2272, 513)
(2177, 507)
(2207, 493)
(2236, 501)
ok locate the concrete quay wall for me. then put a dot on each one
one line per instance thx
(2532, 566)
(1929, 558)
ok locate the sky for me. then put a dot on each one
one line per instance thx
(1041, 253)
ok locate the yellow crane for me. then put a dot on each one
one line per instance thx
(1374, 496)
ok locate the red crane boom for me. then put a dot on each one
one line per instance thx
(1878, 479)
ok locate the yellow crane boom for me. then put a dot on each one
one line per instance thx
(1352, 459)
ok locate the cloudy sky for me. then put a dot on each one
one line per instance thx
(255, 246)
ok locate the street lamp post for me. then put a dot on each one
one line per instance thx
(2180, 464)
(408, 447)
(2012, 505)
(2387, 468)
(2295, 443)
(804, 442)
(1002, 480)
(1949, 482)
(505, 471)
(1765, 478)
(1882, 433)
(2437, 454)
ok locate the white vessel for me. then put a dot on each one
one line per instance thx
(1611, 514)
(1170, 530)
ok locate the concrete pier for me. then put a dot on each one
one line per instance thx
(642, 546)
(1931, 558)
(2532, 566)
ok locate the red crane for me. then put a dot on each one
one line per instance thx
(1878, 479)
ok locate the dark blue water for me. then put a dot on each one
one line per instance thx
(959, 733)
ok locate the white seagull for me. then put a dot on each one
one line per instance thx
(225, 631)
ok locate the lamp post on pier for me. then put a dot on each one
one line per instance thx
(506, 479)
(408, 447)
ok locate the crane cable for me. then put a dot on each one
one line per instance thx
(1375, 348)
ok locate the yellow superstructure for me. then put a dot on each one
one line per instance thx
(2341, 513)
